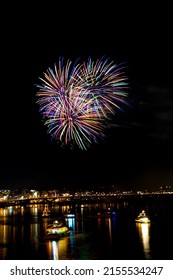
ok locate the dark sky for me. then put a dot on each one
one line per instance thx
(137, 151)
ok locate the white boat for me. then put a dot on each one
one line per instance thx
(46, 212)
(69, 214)
(142, 217)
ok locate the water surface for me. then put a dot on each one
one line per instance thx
(94, 235)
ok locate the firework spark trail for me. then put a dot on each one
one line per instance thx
(105, 81)
(77, 100)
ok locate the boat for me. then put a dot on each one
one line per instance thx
(57, 230)
(70, 214)
(142, 217)
(106, 213)
(46, 212)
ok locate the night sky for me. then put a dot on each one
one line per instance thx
(137, 152)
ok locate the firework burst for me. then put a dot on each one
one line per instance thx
(106, 81)
(76, 100)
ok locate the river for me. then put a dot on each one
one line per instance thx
(96, 234)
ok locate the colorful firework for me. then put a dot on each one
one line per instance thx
(76, 100)
(106, 81)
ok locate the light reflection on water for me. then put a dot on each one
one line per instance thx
(93, 236)
(144, 234)
(57, 249)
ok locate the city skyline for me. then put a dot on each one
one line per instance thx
(137, 149)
